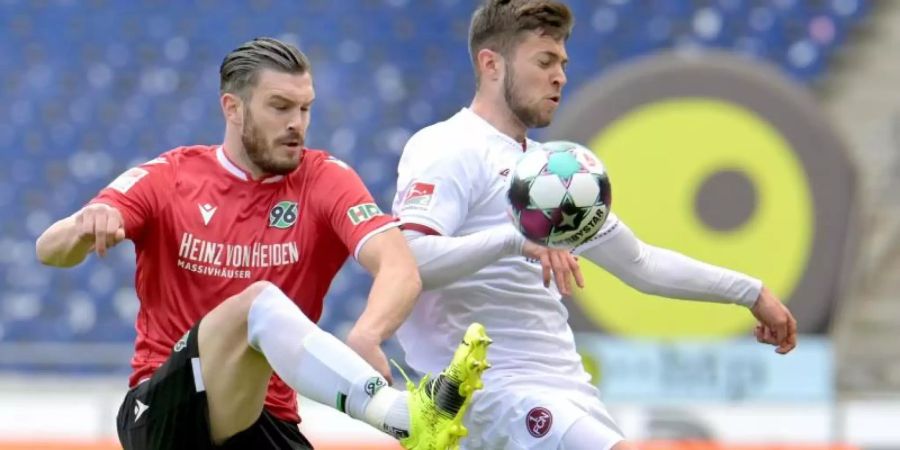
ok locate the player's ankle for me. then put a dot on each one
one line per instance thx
(388, 411)
(396, 421)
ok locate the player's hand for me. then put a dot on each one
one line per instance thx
(369, 347)
(100, 225)
(776, 324)
(557, 263)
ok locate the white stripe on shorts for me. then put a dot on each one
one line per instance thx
(198, 375)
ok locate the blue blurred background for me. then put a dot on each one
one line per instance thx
(90, 88)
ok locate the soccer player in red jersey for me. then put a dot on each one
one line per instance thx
(236, 247)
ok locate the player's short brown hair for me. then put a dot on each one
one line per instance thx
(241, 67)
(499, 24)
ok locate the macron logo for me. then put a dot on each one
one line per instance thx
(207, 212)
(139, 409)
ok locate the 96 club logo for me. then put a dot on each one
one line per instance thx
(419, 196)
(283, 215)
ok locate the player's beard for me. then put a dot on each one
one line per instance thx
(261, 152)
(514, 95)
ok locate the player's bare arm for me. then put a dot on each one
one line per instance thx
(67, 242)
(394, 292)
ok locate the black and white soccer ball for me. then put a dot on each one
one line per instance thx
(559, 194)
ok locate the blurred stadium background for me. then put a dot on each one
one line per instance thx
(762, 134)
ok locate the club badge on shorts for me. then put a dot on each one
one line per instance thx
(182, 343)
(538, 421)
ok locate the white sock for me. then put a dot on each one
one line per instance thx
(321, 367)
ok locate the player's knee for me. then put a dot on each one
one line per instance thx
(256, 307)
(236, 309)
(255, 289)
(246, 297)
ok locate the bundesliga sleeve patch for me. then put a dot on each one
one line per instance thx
(361, 213)
(128, 179)
(419, 196)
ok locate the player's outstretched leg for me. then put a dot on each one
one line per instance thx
(438, 404)
(249, 335)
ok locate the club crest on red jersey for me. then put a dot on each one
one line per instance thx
(419, 196)
(283, 215)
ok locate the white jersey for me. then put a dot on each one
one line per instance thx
(452, 182)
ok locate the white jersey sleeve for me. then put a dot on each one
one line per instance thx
(437, 181)
(446, 259)
(659, 271)
(607, 231)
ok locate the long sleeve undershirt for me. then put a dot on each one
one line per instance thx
(445, 259)
(659, 271)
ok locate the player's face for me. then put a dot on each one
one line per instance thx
(276, 119)
(534, 78)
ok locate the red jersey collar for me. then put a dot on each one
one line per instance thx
(233, 169)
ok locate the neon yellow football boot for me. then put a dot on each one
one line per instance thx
(437, 405)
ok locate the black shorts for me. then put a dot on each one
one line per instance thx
(169, 411)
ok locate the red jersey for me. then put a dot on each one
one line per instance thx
(204, 230)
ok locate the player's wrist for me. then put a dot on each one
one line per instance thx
(763, 294)
(364, 337)
(754, 295)
(515, 242)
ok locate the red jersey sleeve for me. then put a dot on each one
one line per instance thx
(348, 206)
(139, 194)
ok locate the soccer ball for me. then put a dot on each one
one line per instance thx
(559, 195)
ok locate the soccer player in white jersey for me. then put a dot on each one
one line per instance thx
(474, 265)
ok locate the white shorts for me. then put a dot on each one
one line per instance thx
(532, 418)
